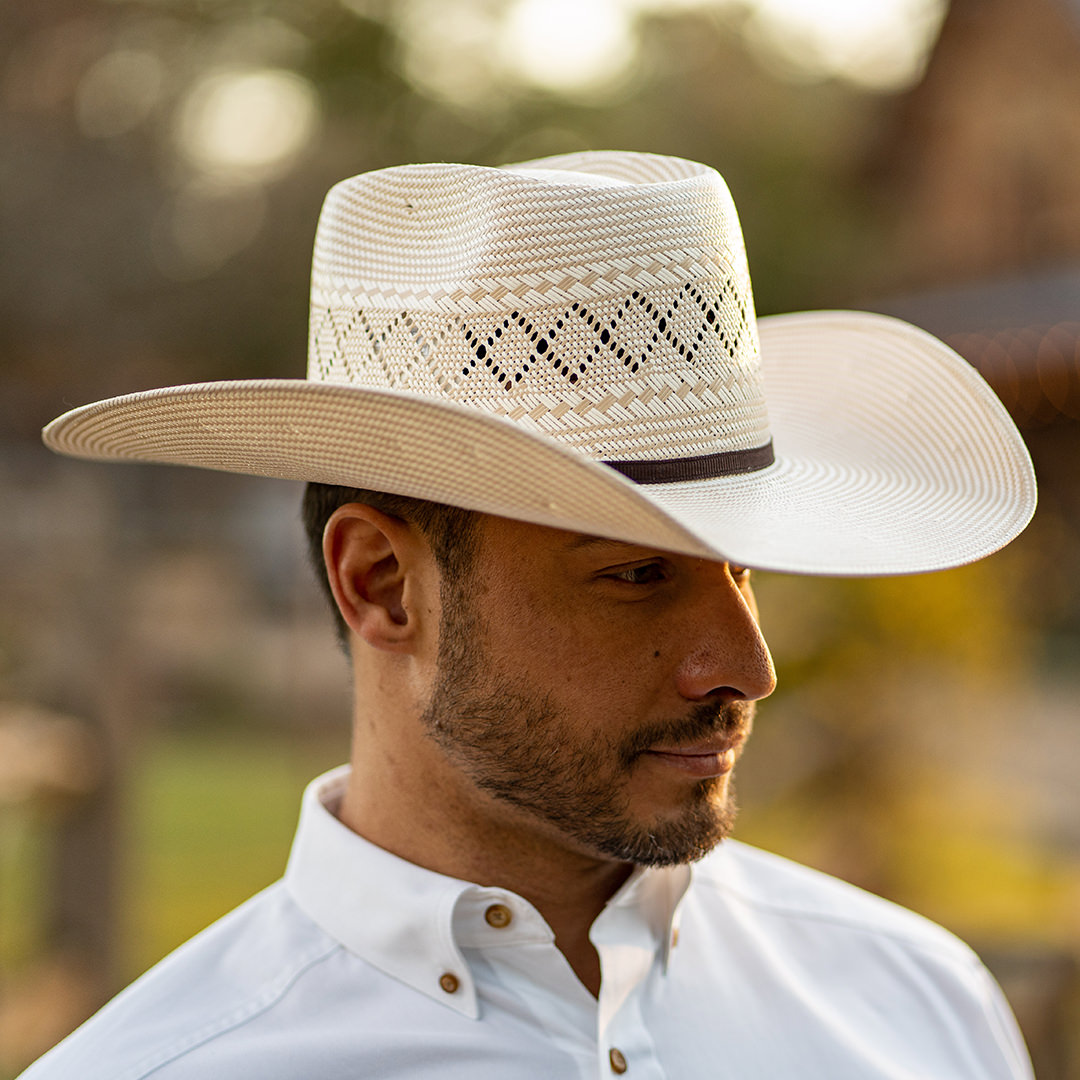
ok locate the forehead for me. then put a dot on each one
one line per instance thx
(500, 531)
(521, 540)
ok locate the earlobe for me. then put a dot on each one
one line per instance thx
(366, 564)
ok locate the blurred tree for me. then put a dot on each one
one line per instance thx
(133, 256)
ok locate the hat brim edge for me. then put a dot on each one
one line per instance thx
(777, 519)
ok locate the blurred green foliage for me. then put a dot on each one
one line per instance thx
(920, 740)
(211, 820)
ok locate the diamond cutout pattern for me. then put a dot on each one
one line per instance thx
(665, 360)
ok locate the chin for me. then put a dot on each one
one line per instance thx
(675, 838)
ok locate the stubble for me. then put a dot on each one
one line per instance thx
(513, 743)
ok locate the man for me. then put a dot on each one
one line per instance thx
(540, 464)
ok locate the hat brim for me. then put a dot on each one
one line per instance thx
(892, 455)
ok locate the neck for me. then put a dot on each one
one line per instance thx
(404, 796)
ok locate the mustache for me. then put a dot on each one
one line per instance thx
(732, 721)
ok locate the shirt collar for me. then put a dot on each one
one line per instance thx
(412, 923)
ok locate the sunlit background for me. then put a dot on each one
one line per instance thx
(168, 677)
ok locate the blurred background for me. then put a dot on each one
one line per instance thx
(168, 676)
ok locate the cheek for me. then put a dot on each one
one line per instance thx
(590, 654)
(588, 661)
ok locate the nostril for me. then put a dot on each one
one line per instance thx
(728, 659)
(725, 695)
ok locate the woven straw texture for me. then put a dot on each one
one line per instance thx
(489, 337)
(942, 481)
(621, 326)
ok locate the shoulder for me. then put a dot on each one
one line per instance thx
(833, 958)
(234, 972)
(782, 891)
(812, 915)
(825, 929)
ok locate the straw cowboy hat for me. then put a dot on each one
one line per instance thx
(572, 342)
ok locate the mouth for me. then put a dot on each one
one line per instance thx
(700, 760)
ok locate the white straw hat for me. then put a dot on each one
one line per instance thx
(572, 342)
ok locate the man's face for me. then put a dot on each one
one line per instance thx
(598, 693)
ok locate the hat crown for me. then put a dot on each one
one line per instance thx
(477, 335)
(602, 298)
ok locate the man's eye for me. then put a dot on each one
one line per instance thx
(646, 574)
(739, 574)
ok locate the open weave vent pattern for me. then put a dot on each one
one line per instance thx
(603, 299)
(671, 372)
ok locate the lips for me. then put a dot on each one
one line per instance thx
(717, 744)
(710, 757)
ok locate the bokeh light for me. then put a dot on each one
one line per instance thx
(879, 46)
(568, 45)
(448, 50)
(249, 124)
(475, 52)
(161, 173)
(118, 92)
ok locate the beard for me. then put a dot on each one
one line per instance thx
(516, 745)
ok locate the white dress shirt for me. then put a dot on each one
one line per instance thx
(359, 964)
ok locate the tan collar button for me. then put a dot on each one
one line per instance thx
(449, 982)
(498, 916)
(618, 1061)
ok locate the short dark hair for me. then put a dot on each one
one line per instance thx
(451, 532)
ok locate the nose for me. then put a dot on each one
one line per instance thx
(726, 657)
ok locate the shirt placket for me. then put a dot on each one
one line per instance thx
(508, 941)
(628, 960)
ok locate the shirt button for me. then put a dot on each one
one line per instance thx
(449, 982)
(498, 916)
(618, 1062)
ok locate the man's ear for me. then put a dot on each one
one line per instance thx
(370, 557)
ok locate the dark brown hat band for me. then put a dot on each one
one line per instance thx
(702, 467)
